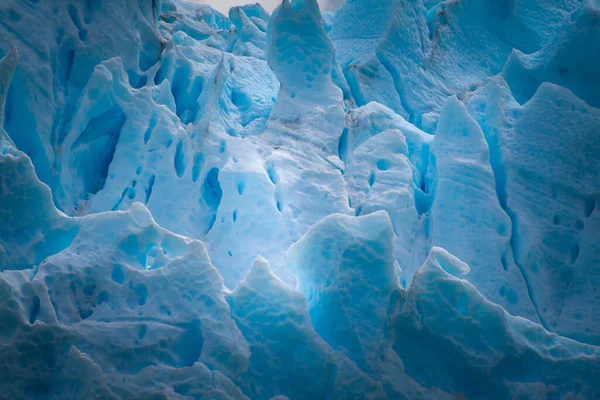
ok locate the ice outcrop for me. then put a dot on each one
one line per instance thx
(550, 141)
(563, 60)
(411, 58)
(397, 200)
(480, 350)
(464, 199)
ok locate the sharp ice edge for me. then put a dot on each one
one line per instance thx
(398, 200)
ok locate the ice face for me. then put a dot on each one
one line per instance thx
(398, 200)
(554, 224)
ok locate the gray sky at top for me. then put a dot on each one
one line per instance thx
(269, 5)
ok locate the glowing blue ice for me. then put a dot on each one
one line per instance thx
(399, 200)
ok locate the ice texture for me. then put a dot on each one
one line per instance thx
(398, 200)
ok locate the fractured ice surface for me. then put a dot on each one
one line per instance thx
(399, 200)
(547, 180)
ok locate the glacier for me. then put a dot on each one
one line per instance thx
(398, 200)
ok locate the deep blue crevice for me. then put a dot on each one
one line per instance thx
(179, 160)
(212, 194)
(94, 149)
(271, 173)
(189, 346)
(197, 167)
(353, 84)
(118, 204)
(501, 179)
(186, 95)
(150, 129)
(35, 310)
(590, 205)
(343, 146)
(389, 66)
(424, 185)
(148, 190)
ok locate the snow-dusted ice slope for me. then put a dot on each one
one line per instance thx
(397, 201)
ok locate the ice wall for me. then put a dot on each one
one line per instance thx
(398, 200)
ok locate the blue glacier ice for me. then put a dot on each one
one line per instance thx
(396, 200)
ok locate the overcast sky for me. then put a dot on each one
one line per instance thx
(269, 5)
